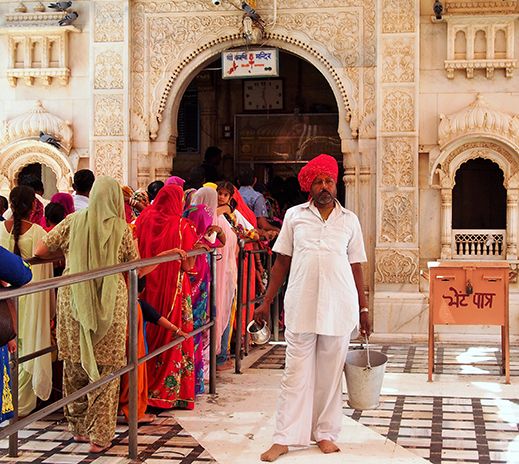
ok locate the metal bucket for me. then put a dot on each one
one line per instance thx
(364, 371)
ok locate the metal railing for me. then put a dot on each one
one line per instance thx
(250, 300)
(133, 360)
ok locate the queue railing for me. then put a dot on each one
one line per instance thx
(134, 361)
(245, 257)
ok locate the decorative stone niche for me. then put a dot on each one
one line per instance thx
(37, 47)
(480, 42)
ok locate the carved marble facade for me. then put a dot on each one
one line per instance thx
(397, 144)
(405, 126)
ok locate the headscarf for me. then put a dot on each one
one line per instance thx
(322, 164)
(38, 214)
(201, 216)
(139, 196)
(128, 211)
(209, 197)
(66, 200)
(96, 234)
(242, 207)
(157, 227)
(188, 198)
(211, 185)
(175, 180)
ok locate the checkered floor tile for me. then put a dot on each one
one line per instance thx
(163, 441)
(450, 359)
(447, 430)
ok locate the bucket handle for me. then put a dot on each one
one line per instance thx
(367, 352)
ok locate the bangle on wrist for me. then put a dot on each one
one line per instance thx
(364, 310)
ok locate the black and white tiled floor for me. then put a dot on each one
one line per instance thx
(450, 359)
(164, 441)
(447, 430)
(442, 429)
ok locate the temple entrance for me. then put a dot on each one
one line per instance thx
(272, 125)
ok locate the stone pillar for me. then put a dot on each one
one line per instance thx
(446, 223)
(512, 211)
(396, 253)
(109, 45)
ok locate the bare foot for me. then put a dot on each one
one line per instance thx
(146, 419)
(274, 452)
(227, 365)
(81, 438)
(328, 446)
(95, 448)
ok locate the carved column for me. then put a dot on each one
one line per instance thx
(446, 223)
(396, 254)
(109, 46)
(512, 212)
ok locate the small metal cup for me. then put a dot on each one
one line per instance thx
(259, 335)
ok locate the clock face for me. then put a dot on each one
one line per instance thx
(264, 94)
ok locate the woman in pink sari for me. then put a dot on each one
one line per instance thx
(226, 273)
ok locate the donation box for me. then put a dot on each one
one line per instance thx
(469, 293)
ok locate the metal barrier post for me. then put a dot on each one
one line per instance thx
(275, 310)
(239, 296)
(212, 330)
(133, 375)
(13, 438)
(250, 257)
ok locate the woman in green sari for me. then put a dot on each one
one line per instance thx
(92, 316)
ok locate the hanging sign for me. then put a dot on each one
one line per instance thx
(239, 64)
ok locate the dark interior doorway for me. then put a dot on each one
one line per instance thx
(479, 196)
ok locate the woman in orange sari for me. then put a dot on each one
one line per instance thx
(160, 227)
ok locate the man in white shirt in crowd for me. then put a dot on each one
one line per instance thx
(83, 181)
(321, 244)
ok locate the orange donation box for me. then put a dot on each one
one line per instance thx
(469, 293)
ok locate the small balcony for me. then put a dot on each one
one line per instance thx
(479, 244)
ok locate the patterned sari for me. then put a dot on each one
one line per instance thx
(6, 401)
(160, 227)
(200, 278)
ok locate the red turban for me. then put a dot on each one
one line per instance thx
(322, 164)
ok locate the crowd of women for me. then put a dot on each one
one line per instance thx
(89, 320)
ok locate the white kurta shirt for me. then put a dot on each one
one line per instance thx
(321, 296)
(80, 202)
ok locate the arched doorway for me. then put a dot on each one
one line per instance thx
(479, 196)
(272, 125)
(44, 173)
(56, 169)
(479, 209)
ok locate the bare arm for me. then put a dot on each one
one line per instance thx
(42, 251)
(265, 225)
(277, 277)
(365, 327)
(147, 269)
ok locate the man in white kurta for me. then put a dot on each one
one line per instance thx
(321, 245)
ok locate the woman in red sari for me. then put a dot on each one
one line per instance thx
(160, 227)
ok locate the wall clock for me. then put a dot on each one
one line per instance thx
(263, 94)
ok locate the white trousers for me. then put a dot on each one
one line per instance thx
(310, 402)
